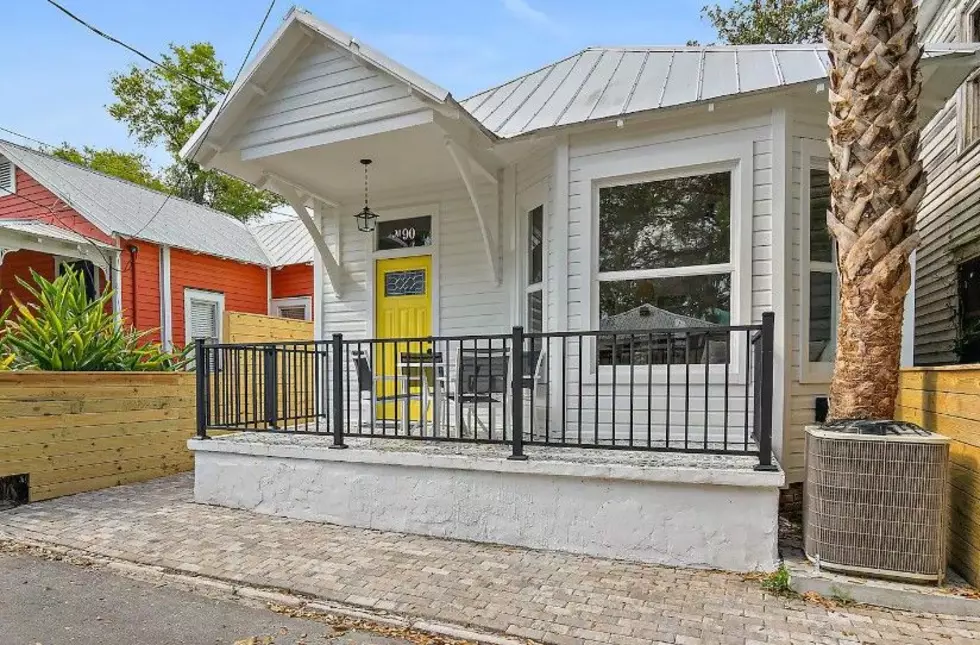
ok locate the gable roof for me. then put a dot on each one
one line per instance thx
(611, 82)
(265, 66)
(596, 83)
(285, 242)
(119, 207)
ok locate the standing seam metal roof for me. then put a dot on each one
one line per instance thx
(611, 82)
(120, 207)
(285, 242)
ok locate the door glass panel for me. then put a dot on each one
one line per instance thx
(404, 233)
(405, 283)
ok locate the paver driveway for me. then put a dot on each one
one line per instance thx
(551, 597)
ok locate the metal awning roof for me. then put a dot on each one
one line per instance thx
(36, 229)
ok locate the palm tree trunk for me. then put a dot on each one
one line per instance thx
(876, 183)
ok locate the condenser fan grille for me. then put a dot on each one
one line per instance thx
(876, 506)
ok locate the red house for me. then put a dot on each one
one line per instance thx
(175, 266)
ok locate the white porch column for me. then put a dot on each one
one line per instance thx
(166, 301)
(116, 280)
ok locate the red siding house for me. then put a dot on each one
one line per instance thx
(175, 266)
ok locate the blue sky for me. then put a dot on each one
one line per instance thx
(55, 78)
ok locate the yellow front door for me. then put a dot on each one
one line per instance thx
(402, 309)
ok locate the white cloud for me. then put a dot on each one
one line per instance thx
(524, 11)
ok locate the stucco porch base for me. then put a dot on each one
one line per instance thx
(671, 509)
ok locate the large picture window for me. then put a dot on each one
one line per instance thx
(665, 262)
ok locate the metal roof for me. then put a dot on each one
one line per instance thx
(608, 82)
(285, 242)
(35, 228)
(119, 207)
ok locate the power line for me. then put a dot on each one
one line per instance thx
(24, 136)
(221, 106)
(130, 48)
(68, 206)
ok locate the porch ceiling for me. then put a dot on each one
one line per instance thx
(403, 159)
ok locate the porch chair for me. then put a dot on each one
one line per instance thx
(367, 391)
(482, 378)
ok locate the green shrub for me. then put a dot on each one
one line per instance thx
(64, 331)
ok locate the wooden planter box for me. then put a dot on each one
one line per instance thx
(947, 400)
(72, 432)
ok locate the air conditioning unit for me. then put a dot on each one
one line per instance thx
(875, 499)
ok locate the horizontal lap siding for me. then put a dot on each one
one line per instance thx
(948, 219)
(141, 269)
(754, 132)
(292, 281)
(948, 401)
(244, 285)
(469, 300)
(19, 265)
(325, 89)
(34, 201)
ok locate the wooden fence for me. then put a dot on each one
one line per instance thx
(72, 432)
(947, 400)
(253, 328)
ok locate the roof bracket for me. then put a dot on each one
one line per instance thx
(461, 160)
(335, 273)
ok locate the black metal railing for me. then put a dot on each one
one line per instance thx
(697, 390)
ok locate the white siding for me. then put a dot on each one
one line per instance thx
(469, 300)
(947, 217)
(324, 90)
(592, 157)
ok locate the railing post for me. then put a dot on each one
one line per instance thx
(765, 429)
(201, 378)
(517, 393)
(270, 386)
(337, 374)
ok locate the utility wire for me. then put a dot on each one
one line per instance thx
(221, 106)
(130, 48)
(68, 206)
(24, 136)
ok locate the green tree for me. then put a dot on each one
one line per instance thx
(131, 166)
(756, 22)
(163, 106)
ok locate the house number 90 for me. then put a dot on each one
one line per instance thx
(405, 233)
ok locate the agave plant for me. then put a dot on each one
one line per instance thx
(63, 330)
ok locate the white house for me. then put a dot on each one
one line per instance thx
(619, 189)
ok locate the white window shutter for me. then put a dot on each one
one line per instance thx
(8, 183)
(293, 312)
(204, 319)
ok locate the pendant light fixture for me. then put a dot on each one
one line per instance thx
(366, 218)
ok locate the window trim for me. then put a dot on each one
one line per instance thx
(530, 199)
(813, 156)
(296, 301)
(963, 107)
(13, 178)
(191, 294)
(714, 153)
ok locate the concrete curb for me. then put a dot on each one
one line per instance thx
(157, 574)
(805, 579)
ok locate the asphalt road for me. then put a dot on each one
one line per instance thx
(55, 603)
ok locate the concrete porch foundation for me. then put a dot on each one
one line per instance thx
(672, 509)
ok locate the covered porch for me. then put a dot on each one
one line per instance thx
(33, 245)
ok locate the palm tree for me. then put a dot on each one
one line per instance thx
(877, 183)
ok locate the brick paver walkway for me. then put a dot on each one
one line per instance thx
(551, 597)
